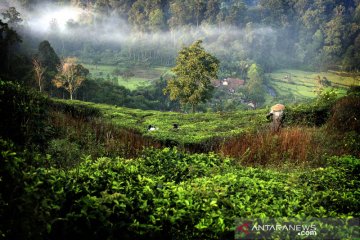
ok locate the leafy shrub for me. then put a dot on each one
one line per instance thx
(19, 215)
(177, 166)
(345, 115)
(326, 97)
(349, 164)
(354, 90)
(307, 114)
(64, 153)
(24, 117)
(139, 198)
(75, 110)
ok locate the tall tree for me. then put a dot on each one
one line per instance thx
(70, 76)
(156, 20)
(47, 56)
(138, 16)
(194, 70)
(39, 71)
(275, 12)
(12, 16)
(48, 59)
(212, 9)
(198, 9)
(334, 34)
(180, 14)
(255, 87)
(8, 37)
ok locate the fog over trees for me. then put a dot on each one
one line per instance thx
(278, 33)
(307, 35)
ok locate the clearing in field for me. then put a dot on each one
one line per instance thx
(303, 84)
(141, 76)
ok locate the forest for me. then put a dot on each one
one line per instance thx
(136, 119)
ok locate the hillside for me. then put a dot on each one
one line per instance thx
(300, 85)
(136, 119)
(192, 128)
(91, 183)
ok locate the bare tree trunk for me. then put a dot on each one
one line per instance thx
(193, 108)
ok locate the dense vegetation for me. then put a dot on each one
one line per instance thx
(110, 165)
(80, 169)
(167, 194)
(130, 37)
(283, 32)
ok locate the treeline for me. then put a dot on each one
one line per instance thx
(313, 34)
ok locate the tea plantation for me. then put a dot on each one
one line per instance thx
(79, 170)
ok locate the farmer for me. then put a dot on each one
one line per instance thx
(277, 115)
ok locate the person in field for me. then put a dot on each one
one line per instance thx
(277, 116)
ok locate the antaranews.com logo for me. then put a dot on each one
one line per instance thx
(286, 228)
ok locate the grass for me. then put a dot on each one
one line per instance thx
(295, 146)
(142, 76)
(308, 78)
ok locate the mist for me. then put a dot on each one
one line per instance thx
(71, 29)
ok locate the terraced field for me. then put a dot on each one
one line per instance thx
(302, 84)
(193, 128)
(296, 85)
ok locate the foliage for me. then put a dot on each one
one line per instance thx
(24, 115)
(70, 76)
(195, 68)
(193, 128)
(18, 211)
(255, 89)
(108, 198)
(8, 38)
(310, 114)
(47, 56)
(345, 115)
(39, 71)
(12, 16)
(326, 97)
(64, 153)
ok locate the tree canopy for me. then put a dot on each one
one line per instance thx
(70, 76)
(195, 68)
(255, 87)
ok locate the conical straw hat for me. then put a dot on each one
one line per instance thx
(278, 107)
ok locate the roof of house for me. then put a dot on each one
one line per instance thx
(229, 83)
(235, 82)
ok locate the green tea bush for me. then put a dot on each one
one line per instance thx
(349, 164)
(354, 91)
(177, 166)
(75, 109)
(345, 115)
(21, 215)
(307, 114)
(166, 194)
(24, 118)
(64, 153)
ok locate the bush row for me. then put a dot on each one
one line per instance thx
(165, 194)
